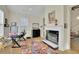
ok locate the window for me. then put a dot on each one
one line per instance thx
(23, 24)
(1, 23)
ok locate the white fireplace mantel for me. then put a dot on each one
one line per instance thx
(56, 28)
(61, 37)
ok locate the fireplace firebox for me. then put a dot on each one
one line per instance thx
(52, 36)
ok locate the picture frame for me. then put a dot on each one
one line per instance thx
(51, 16)
(35, 25)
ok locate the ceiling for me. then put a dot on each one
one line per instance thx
(27, 9)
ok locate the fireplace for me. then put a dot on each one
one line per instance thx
(52, 36)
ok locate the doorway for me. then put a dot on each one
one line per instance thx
(74, 29)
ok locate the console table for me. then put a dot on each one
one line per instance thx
(36, 32)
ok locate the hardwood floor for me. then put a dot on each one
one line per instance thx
(74, 48)
(10, 50)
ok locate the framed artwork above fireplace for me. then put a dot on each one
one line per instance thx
(51, 17)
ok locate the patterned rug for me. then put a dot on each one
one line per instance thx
(31, 46)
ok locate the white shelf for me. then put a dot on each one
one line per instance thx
(51, 44)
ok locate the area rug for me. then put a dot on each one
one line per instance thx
(36, 47)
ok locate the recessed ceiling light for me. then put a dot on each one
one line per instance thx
(77, 17)
(30, 9)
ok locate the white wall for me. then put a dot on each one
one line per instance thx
(14, 17)
(58, 12)
(36, 19)
(67, 20)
